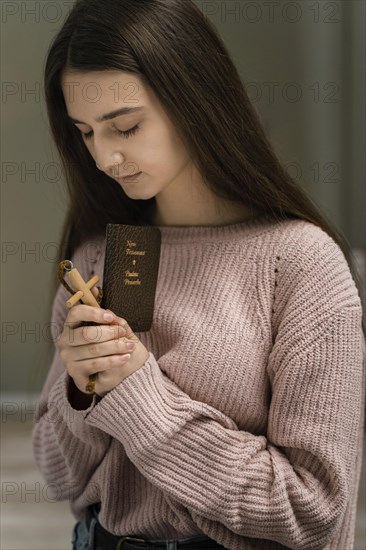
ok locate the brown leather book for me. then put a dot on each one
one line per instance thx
(131, 267)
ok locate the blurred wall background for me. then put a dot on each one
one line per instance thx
(303, 64)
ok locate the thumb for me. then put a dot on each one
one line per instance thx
(118, 320)
(94, 291)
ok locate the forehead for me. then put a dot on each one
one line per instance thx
(97, 90)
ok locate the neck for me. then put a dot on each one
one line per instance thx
(228, 213)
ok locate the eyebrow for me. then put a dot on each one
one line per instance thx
(113, 114)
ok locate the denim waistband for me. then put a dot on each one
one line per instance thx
(101, 538)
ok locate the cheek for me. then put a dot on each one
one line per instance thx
(163, 152)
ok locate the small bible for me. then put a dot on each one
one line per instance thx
(131, 267)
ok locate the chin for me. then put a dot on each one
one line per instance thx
(138, 194)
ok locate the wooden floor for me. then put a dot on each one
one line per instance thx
(30, 520)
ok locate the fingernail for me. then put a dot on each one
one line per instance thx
(130, 345)
(108, 317)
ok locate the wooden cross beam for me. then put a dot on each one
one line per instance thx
(83, 293)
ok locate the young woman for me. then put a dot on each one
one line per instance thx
(237, 420)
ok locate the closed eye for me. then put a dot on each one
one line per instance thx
(126, 134)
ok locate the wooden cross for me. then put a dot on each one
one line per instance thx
(82, 288)
(83, 293)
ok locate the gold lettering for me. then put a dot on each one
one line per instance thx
(128, 282)
(135, 252)
(131, 274)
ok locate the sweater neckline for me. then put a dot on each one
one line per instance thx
(202, 232)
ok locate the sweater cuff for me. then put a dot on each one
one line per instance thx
(59, 408)
(138, 410)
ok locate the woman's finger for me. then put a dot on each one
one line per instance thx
(84, 313)
(81, 370)
(94, 334)
(114, 346)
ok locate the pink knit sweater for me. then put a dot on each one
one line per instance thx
(246, 421)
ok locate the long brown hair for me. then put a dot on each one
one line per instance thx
(177, 53)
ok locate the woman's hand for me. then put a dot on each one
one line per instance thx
(100, 349)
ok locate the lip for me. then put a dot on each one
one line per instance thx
(129, 179)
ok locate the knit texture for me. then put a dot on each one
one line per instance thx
(246, 421)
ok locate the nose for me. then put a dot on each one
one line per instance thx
(112, 169)
(111, 165)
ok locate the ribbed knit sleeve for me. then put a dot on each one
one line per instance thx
(293, 484)
(61, 439)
